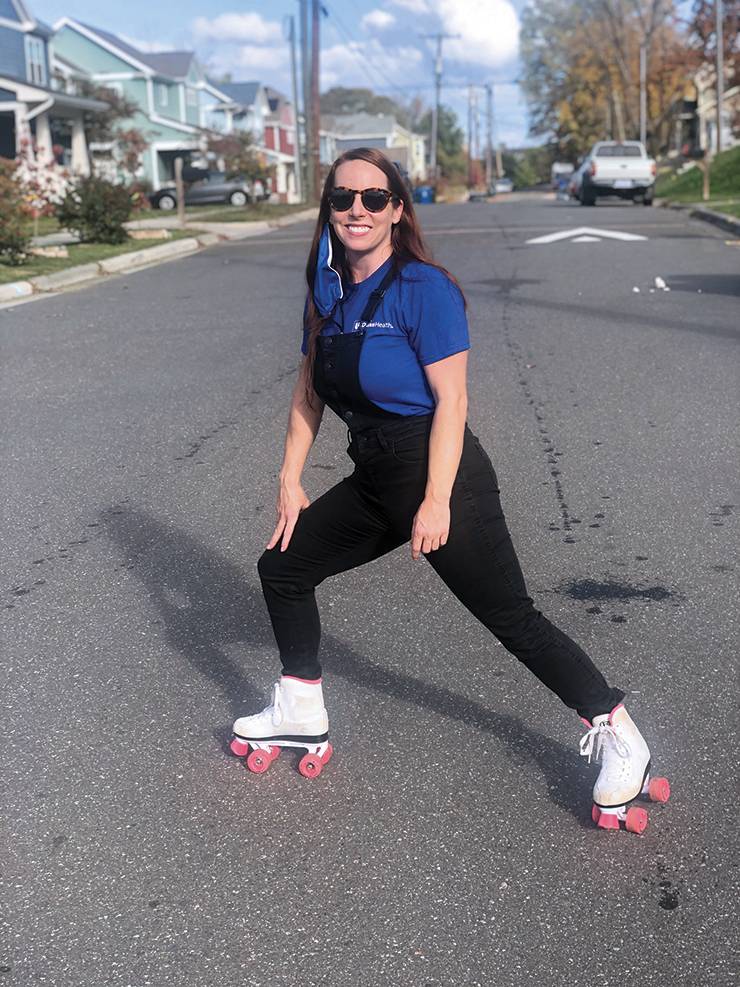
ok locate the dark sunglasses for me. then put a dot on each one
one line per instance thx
(373, 199)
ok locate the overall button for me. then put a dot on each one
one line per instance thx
(347, 415)
(328, 341)
(329, 365)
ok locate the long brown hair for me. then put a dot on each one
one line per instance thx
(406, 239)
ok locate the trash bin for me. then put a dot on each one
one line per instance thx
(424, 194)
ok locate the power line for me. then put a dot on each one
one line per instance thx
(353, 42)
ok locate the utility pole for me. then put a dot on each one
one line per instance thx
(489, 136)
(315, 112)
(643, 93)
(297, 151)
(437, 89)
(719, 33)
(306, 79)
(476, 123)
(470, 136)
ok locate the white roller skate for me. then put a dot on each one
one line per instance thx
(296, 717)
(625, 771)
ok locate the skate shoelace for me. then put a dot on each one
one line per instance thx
(597, 736)
(275, 708)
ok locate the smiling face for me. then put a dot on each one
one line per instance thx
(366, 236)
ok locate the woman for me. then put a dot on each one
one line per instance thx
(385, 346)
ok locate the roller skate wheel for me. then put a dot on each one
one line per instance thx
(637, 819)
(310, 765)
(606, 820)
(659, 790)
(259, 761)
(239, 747)
(326, 757)
(595, 814)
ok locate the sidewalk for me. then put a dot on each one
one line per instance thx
(205, 235)
(730, 224)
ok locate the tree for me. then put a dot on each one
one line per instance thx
(581, 69)
(339, 100)
(239, 155)
(451, 156)
(101, 127)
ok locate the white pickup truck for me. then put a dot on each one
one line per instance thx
(613, 168)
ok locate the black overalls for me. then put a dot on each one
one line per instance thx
(371, 512)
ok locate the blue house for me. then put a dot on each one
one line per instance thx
(30, 108)
(174, 100)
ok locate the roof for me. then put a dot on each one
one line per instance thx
(60, 98)
(360, 124)
(175, 64)
(244, 93)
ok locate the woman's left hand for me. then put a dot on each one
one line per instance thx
(430, 528)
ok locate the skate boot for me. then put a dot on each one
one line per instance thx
(296, 717)
(625, 771)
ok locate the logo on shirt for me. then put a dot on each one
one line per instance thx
(372, 325)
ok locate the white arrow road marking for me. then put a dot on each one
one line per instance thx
(586, 239)
(586, 231)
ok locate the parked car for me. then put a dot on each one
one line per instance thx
(503, 185)
(213, 186)
(617, 168)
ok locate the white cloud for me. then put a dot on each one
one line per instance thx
(248, 61)
(234, 28)
(378, 19)
(342, 65)
(488, 29)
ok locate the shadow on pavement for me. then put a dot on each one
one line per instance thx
(708, 284)
(207, 602)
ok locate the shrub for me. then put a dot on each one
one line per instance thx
(14, 233)
(96, 210)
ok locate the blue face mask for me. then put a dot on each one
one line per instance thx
(327, 284)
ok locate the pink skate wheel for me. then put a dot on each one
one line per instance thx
(274, 753)
(659, 789)
(327, 754)
(239, 747)
(595, 814)
(259, 761)
(637, 820)
(607, 820)
(310, 765)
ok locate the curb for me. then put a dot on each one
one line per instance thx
(63, 279)
(727, 223)
(15, 290)
(136, 259)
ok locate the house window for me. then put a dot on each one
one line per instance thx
(162, 95)
(192, 97)
(35, 60)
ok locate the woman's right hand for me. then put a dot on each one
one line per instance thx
(291, 501)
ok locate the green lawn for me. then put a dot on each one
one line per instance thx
(242, 214)
(724, 182)
(80, 253)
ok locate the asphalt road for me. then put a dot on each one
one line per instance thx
(449, 842)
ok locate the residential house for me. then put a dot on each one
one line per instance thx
(269, 117)
(170, 90)
(705, 81)
(342, 132)
(30, 109)
(280, 144)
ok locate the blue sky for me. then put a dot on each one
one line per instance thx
(369, 43)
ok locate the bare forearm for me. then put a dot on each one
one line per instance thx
(303, 426)
(445, 447)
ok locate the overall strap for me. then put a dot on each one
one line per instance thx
(376, 297)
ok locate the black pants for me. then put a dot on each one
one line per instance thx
(371, 512)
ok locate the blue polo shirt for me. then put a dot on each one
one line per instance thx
(420, 320)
